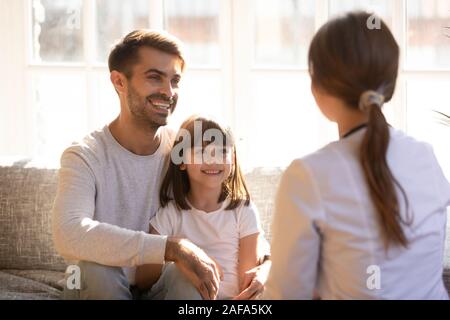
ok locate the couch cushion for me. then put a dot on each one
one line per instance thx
(262, 184)
(54, 279)
(26, 199)
(19, 288)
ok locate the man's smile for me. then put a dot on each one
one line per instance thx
(162, 105)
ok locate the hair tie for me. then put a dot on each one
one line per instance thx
(369, 98)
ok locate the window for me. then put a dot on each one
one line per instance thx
(197, 23)
(70, 42)
(427, 73)
(283, 30)
(428, 33)
(57, 31)
(246, 65)
(109, 27)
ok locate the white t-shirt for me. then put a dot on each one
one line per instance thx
(217, 233)
(106, 196)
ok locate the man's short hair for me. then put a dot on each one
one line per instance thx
(125, 53)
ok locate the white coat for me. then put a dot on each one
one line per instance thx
(326, 237)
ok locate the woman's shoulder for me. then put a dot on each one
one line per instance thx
(333, 156)
(401, 140)
(315, 171)
(320, 157)
(314, 163)
(410, 154)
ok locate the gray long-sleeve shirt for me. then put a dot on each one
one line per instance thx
(106, 197)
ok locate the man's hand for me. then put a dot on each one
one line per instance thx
(254, 281)
(198, 267)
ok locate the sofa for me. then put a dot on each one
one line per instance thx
(30, 267)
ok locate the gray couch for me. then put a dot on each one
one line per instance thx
(30, 268)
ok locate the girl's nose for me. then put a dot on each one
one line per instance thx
(212, 157)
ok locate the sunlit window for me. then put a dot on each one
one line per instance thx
(247, 65)
(57, 31)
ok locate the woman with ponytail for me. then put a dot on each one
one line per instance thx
(364, 217)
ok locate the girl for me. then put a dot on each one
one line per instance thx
(364, 217)
(205, 200)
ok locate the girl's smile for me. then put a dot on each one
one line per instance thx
(212, 172)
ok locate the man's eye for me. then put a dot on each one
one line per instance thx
(154, 78)
(175, 82)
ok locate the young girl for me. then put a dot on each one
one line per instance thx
(364, 217)
(204, 199)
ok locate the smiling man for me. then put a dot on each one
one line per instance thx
(109, 183)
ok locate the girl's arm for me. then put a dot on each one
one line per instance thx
(248, 257)
(148, 274)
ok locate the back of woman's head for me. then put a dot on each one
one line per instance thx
(347, 58)
(359, 65)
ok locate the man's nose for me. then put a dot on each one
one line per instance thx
(168, 90)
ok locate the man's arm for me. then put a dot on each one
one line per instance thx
(148, 274)
(202, 271)
(78, 236)
(196, 265)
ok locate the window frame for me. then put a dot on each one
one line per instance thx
(236, 31)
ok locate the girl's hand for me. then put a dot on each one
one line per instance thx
(254, 281)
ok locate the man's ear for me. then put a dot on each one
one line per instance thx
(118, 80)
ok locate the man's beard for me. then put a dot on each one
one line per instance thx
(141, 113)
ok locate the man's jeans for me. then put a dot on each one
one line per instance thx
(101, 282)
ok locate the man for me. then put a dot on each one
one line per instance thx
(109, 183)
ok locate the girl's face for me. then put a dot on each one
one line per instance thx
(212, 166)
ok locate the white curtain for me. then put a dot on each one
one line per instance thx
(14, 118)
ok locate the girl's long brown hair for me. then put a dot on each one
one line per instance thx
(175, 185)
(347, 58)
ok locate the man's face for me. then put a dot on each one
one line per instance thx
(152, 93)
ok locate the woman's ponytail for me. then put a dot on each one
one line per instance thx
(360, 66)
(379, 177)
